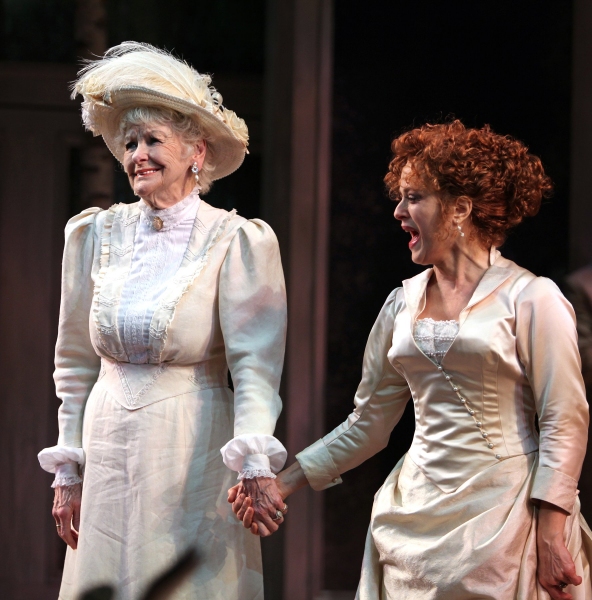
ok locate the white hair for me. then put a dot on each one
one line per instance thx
(188, 129)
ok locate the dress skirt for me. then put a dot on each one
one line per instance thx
(476, 543)
(155, 484)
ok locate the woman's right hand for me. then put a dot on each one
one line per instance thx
(66, 512)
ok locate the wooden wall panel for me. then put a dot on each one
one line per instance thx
(297, 134)
(38, 124)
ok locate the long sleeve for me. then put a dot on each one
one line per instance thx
(77, 364)
(379, 404)
(253, 321)
(547, 347)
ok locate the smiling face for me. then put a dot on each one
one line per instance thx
(158, 163)
(421, 215)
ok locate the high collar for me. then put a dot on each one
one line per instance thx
(498, 271)
(172, 216)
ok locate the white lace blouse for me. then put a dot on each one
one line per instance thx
(434, 338)
(156, 258)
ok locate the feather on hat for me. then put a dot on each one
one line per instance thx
(134, 74)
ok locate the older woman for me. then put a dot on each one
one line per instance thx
(483, 505)
(159, 299)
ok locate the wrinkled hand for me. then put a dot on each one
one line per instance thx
(556, 566)
(66, 512)
(256, 503)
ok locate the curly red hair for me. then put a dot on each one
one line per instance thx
(504, 182)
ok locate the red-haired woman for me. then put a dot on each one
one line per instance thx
(482, 505)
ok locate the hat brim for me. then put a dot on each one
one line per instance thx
(229, 152)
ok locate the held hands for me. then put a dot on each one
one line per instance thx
(66, 512)
(256, 502)
(259, 504)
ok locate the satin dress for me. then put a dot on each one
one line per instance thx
(456, 518)
(151, 414)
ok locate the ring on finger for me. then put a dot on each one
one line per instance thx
(285, 509)
(278, 515)
(562, 585)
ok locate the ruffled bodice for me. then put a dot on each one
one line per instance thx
(199, 330)
(156, 258)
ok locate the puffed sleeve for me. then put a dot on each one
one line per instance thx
(77, 364)
(253, 321)
(548, 349)
(379, 404)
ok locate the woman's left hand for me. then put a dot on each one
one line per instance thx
(555, 564)
(258, 503)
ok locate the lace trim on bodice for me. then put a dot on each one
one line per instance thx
(434, 338)
(156, 259)
(144, 338)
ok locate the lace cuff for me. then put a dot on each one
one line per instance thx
(50, 458)
(66, 474)
(236, 451)
(255, 465)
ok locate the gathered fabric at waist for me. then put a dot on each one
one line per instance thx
(135, 386)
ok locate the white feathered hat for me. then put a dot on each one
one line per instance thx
(134, 74)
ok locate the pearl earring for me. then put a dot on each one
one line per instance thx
(460, 230)
(195, 169)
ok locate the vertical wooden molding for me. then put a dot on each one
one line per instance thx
(296, 195)
(581, 146)
(96, 160)
(296, 203)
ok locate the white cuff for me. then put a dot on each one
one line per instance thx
(256, 465)
(66, 474)
(237, 449)
(50, 458)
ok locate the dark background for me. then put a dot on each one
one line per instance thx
(396, 65)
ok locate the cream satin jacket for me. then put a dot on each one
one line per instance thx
(225, 307)
(515, 357)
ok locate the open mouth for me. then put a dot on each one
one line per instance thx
(414, 235)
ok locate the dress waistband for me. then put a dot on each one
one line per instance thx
(135, 386)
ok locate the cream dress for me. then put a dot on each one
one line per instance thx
(145, 396)
(456, 518)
